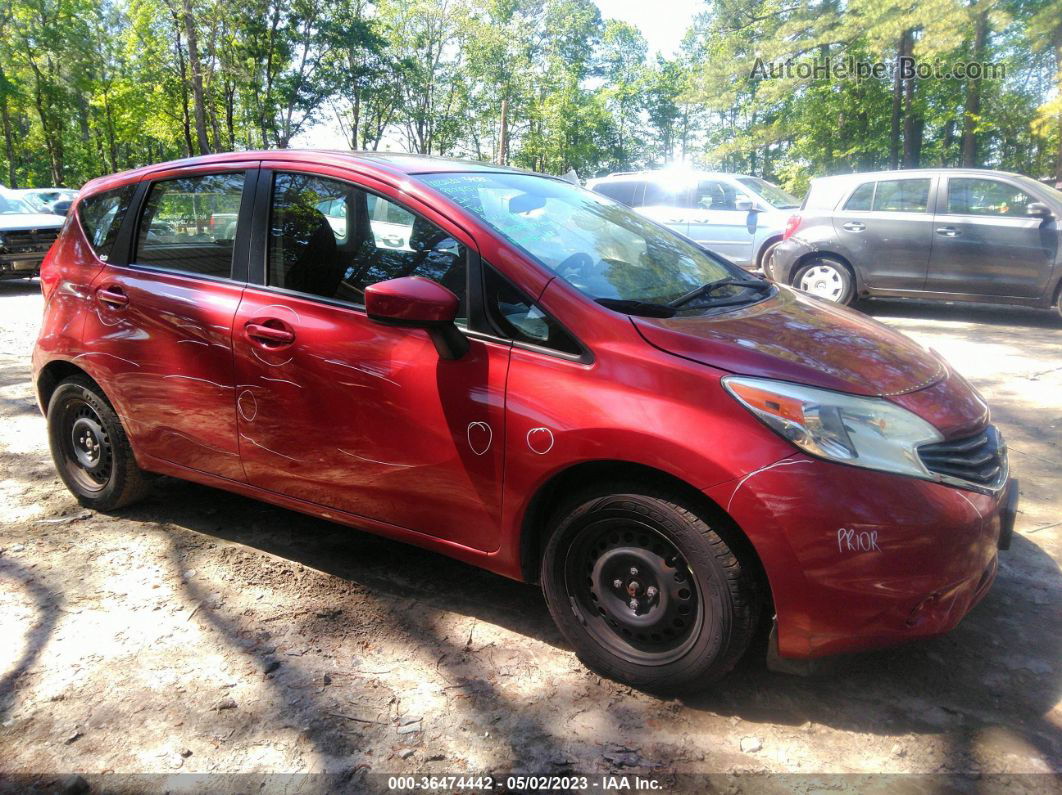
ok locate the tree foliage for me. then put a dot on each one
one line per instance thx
(93, 86)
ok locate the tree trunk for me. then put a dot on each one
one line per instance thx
(1058, 65)
(503, 136)
(197, 79)
(973, 96)
(897, 101)
(913, 125)
(9, 142)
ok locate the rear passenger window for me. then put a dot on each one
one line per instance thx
(902, 195)
(101, 217)
(891, 195)
(657, 195)
(862, 198)
(332, 239)
(189, 224)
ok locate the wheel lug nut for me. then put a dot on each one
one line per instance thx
(634, 571)
(650, 592)
(617, 583)
(634, 604)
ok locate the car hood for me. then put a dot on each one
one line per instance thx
(794, 337)
(10, 222)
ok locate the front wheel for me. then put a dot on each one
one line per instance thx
(645, 590)
(826, 278)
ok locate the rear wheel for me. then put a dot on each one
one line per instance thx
(826, 278)
(645, 590)
(90, 448)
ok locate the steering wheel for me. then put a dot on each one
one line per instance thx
(578, 264)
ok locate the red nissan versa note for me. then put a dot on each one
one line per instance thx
(530, 377)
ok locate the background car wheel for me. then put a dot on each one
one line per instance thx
(645, 590)
(90, 448)
(826, 278)
(765, 258)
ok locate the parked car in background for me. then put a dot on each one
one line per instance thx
(738, 216)
(948, 234)
(539, 381)
(25, 236)
(47, 200)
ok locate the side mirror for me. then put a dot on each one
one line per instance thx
(416, 302)
(1039, 209)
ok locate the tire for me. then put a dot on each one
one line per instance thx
(1058, 303)
(90, 447)
(614, 544)
(826, 278)
(765, 258)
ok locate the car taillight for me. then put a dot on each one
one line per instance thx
(791, 226)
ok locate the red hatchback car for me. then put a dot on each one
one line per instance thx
(532, 378)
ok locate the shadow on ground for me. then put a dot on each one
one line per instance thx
(997, 671)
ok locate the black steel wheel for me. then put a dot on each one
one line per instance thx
(91, 451)
(86, 447)
(633, 591)
(645, 588)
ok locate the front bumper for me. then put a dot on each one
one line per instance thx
(14, 266)
(858, 559)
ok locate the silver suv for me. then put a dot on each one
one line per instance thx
(735, 215)
(948, 234)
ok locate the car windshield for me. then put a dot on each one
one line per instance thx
(1054, 193)
(9, 205)
(601, 247)
(772, 194)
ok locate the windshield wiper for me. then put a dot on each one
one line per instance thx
(640, 308)
(705, 290)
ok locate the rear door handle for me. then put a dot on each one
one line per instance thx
(269, 335)
(855, 226)
(112, 296)
(947, 231)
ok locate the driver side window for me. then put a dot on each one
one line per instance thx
(332, 239)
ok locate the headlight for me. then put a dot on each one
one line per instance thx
(860, 431)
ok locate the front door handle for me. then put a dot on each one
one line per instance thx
(855, 226)
(114, 297)
(269, 335)
(947, 231)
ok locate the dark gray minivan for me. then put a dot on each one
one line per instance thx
(948, 234)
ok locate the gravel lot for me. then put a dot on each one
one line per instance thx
(201, 632)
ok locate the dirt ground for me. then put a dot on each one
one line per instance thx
(201, 632)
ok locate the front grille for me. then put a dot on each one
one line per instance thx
(28, 241)
(980, 459)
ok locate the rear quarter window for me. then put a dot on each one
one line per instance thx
(101, 217)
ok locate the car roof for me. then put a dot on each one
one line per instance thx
(662, 174)
(382, 164)
(913, 172)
